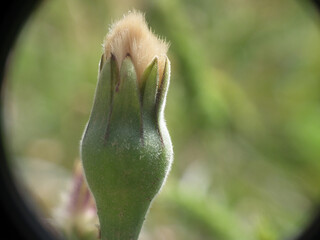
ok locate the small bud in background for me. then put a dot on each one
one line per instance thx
(126, 148)
(76, 215)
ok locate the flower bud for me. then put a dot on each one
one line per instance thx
(126, 148)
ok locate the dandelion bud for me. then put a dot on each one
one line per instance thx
(126, 148)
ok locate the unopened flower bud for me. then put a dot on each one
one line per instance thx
(126, 148)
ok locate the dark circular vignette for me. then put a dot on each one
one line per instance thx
(19, 221)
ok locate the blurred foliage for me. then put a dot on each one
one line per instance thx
(243, 111)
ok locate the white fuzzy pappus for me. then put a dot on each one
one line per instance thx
(132, 36)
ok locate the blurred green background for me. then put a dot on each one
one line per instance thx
(243, 111)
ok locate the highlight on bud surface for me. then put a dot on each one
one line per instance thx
(126, 148)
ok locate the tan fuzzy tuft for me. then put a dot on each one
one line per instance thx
(131, 36)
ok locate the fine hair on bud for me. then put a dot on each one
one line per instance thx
(132, 36)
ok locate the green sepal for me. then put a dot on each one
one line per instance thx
(162, 92)
(160, 105)
(124, 122)
(102, 100)
(150, 79)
